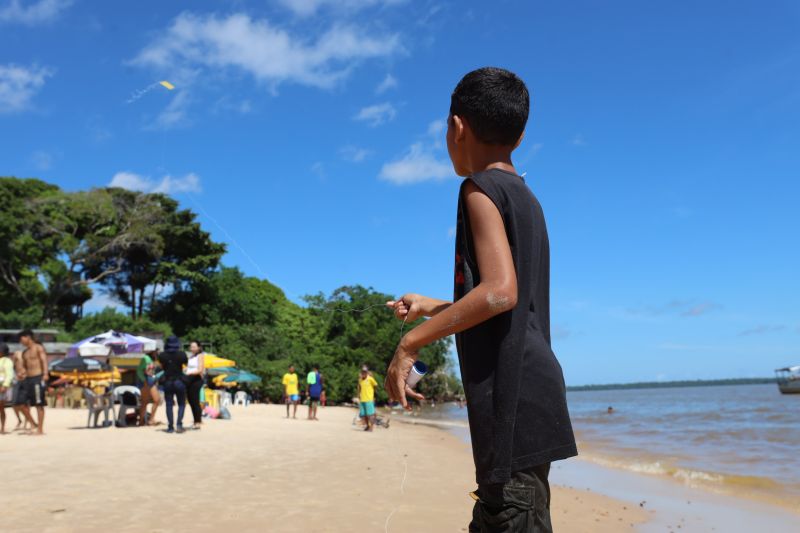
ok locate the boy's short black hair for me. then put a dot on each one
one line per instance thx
(4, 351)
(27, 333)
(494, 102)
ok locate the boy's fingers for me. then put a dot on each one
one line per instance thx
(401, 393)
(414, 394)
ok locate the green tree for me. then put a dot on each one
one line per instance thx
(166, 250)
(110, 318)
(224, 296)
(21, 253)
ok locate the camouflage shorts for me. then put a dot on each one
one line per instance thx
(521, 505)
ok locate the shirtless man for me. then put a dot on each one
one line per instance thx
(34, 361)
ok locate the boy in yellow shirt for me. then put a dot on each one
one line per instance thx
(366, 397)
(291, 391)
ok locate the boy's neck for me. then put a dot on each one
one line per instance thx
(488, 157)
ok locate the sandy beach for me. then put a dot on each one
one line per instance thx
(258, 472)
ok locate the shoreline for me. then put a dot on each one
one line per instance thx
(664, 493)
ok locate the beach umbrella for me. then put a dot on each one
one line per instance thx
(91, 378)
(242, 376)
(219, 381)
(93, 349)
(79, 364)
(213, 361)
(113, 341)
(218, 371)
(148, 345)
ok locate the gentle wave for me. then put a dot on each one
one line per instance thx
(686, 475)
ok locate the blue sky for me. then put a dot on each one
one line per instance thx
(663, 145)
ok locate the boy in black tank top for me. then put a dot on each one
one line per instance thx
(516, 397)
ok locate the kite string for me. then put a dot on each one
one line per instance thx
(405, 457)
(331, 311)
(228, 235)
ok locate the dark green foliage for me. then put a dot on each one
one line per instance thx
(224, 296)
(673, 384)
(108, 319)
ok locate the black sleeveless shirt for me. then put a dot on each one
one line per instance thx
(516, 397)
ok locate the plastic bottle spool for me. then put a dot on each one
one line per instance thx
(417, 371)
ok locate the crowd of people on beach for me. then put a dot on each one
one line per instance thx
(315, 394)
(172, 377)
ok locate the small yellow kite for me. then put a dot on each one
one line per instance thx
(167, 84)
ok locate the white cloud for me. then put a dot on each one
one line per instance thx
(417, 165)
(451, 232)
(319, 169)
(354, 154)
(389, 82)
(167, 185)
(578, 140)
(18, 86)
(100, 300)
(33, 13)
(306, 8)
(422, 161)
(762, 329)
(174, 115)
(42, 160)
(377, 114)
(436, 127)
(171, 185)
(229, 105)
(268, 53)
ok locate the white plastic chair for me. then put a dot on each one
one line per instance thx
(240, 398)
(125, 407)
(97, 403)
(225, 399)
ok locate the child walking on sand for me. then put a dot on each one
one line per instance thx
(516, 398)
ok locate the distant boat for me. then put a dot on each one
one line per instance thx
(788, 379)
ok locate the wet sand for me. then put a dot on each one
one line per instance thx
(258, 472)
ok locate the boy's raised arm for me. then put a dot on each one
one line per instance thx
(496, 293)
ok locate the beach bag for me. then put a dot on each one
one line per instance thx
(224, 413)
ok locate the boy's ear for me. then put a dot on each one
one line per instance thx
(458, 129)
(519, 141)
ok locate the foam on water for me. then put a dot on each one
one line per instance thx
(740, 440)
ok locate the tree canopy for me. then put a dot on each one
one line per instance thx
(154, 259)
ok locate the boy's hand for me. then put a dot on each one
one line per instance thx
(409, 307)
(397, 374)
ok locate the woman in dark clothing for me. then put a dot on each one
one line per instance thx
(194, 374)
(172, 360)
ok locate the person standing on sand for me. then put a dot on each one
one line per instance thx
(314, 388)
(172, 361)
(147, 379)
(514, 385)
(34, 360)
(291, 391)
(19, 375)
(366, 398)
(194, 374)
(6, 381)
